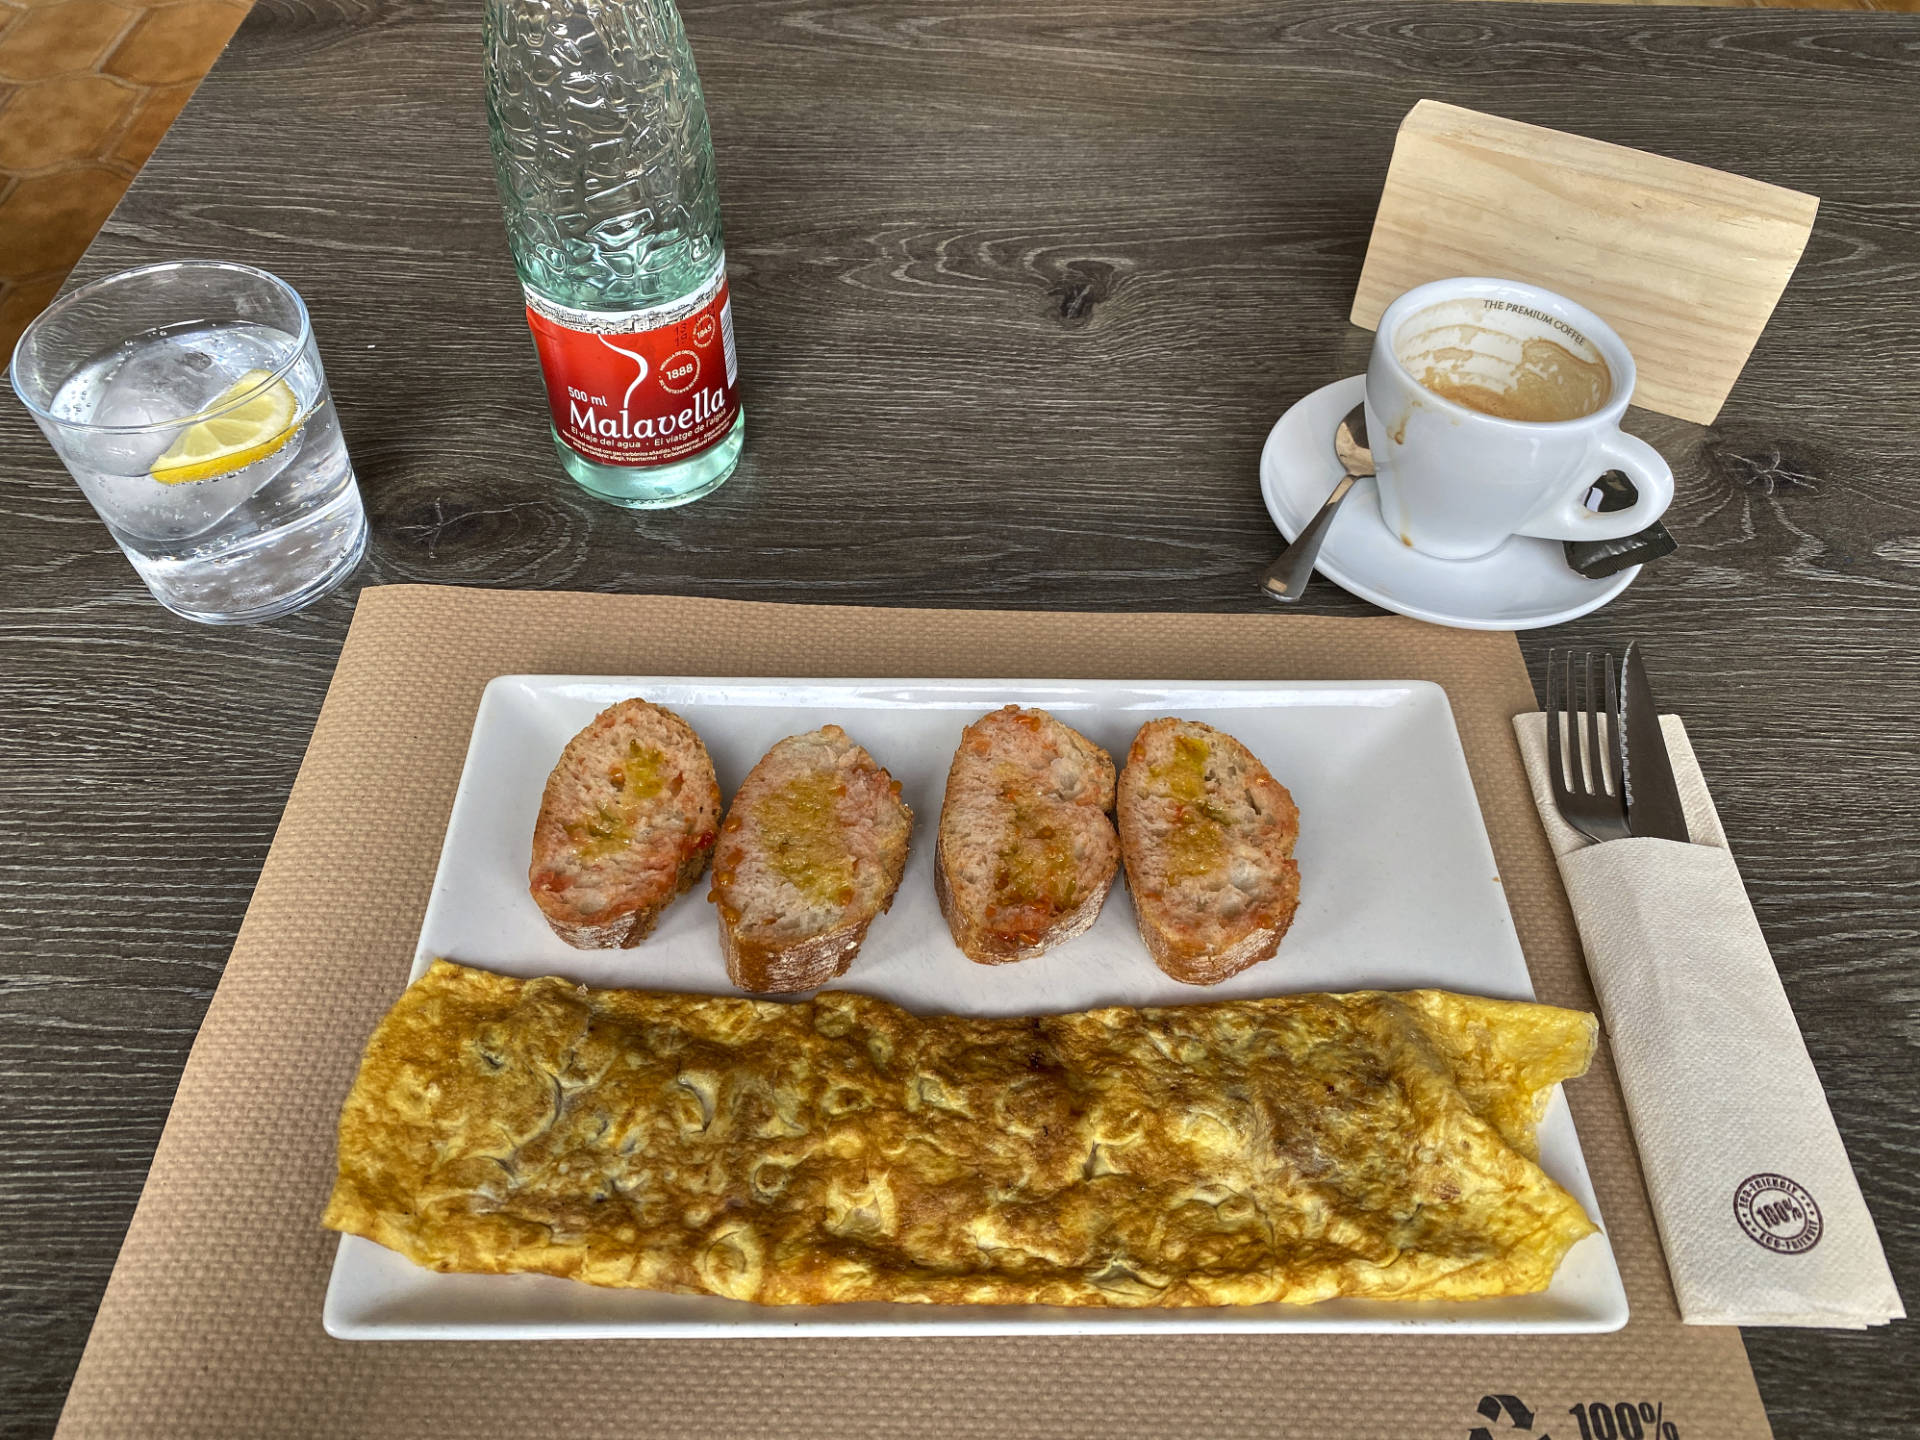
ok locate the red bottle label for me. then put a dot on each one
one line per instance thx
(640, 387)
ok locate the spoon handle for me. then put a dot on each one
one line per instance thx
(1286, 579)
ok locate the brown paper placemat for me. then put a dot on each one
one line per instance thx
(211, 1323)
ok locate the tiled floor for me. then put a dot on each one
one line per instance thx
(88, 87)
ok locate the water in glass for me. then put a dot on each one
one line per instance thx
(236, 541)
(188, 402)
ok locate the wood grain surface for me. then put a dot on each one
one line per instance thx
(1018, 290)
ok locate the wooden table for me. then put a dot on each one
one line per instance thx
(1019, 290)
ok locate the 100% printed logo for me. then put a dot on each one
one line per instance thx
(1624, 1420)
(1597, 1420)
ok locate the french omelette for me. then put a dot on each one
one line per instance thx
(1289, 1149)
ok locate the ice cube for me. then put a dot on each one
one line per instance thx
(108, 454)
(162, 381)
(156, 381)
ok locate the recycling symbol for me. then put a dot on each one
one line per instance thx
(1519, 1419)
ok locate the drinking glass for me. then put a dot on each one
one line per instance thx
(188, 402)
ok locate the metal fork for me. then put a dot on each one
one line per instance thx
(1589, 796)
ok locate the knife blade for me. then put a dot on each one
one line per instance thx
(1653, 798)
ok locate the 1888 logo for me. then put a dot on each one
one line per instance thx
(1778, 1214)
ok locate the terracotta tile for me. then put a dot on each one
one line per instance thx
(62, 119)
(21, 301)
(47, 220)
(60, 39)
(150, 122)
(175, 42)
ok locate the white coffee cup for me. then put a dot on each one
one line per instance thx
(1454, 362)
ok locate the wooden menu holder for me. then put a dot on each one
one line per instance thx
(1685, 262)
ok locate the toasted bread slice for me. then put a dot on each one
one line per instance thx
(1208, 837)
(812, 850)
(627, 822)
(1026, 852)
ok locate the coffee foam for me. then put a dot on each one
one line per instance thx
(1505, 360)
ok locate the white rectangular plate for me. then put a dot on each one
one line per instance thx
(1398, 891)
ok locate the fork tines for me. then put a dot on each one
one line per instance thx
(1583, 690)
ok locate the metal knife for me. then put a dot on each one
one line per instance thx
(1653, 798)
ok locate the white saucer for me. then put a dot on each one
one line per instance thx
(1524, 584)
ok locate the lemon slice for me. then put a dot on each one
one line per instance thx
(237, 438)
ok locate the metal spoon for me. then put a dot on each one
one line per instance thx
(1286, 579)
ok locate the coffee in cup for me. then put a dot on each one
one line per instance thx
(1493, 406)
(1504, 360)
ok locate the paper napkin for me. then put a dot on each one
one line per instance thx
(1760, 1215)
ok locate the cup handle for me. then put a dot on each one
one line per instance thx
(1568, 518)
